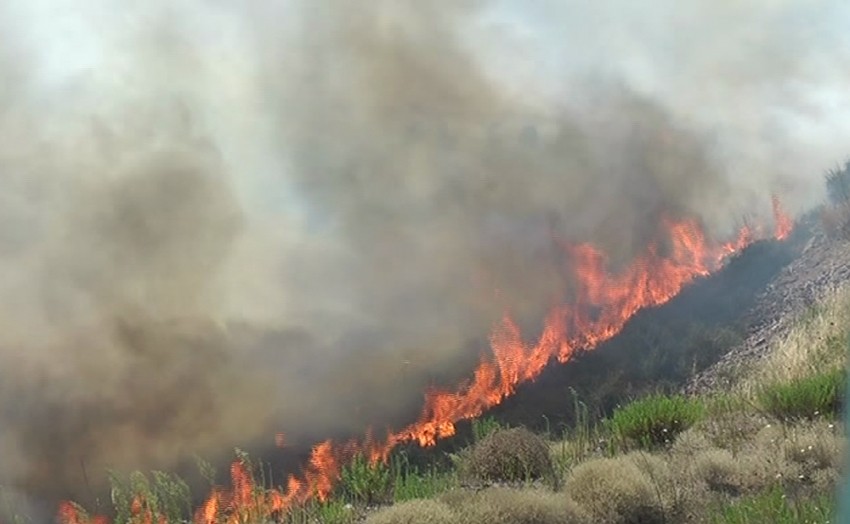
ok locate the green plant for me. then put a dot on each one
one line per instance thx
(484, 426)
(508, 455)
(330, 512)
(773, 507)
(410, 483)
(140, 499)
(806, 398)
(655, 419)
(365, 481)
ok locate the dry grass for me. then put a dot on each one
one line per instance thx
(817, 343)
(423, 511)
(514, 506)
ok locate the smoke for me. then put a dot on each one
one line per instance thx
(222, 221)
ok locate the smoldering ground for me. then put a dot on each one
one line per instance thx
(223, 221)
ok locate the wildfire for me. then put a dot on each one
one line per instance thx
(603, 304)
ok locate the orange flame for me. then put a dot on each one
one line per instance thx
(603, 303)
(783, 222)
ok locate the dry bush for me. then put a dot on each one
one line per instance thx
(508, 455)
(718, 469)
(762, 461)
(514, 506)
(617, 490)
(818, 452)
(731, 430)
(423, 511)
(689, 443)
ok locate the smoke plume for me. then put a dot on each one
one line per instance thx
(223, 220)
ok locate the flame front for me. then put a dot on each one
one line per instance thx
(602, 305)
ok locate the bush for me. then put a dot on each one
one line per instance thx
(414, 512)
(617, 491)
(363, 482)
(806, 398)
(508, 455)
(654, 420)
(514, 506)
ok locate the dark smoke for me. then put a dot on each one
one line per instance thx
(219, 222)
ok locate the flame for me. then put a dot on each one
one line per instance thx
(783, 222)
(602, 305)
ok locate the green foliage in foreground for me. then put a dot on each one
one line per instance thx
(163, 496)
(362, 482)
(655, 419)
(807, 398)
(773, 507)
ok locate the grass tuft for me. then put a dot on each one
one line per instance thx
(808, 398)
(654, 420)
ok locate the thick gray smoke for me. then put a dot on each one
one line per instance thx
(218, 222)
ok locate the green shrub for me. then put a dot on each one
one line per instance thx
(482, 427)
(654, 420)
(773, 507)
(806, 398)
(411, 483)
(364, 482)
(508, 455)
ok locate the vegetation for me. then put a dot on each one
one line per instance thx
(806, 398)
(774, 507)
(365, 482)
(507, 455)
(655, 420)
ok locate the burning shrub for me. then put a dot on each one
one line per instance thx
(515, 506)
(806, 398)
(616, 490)
(422, 511)
(508, 455)
(364, 482)
(654, 420)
